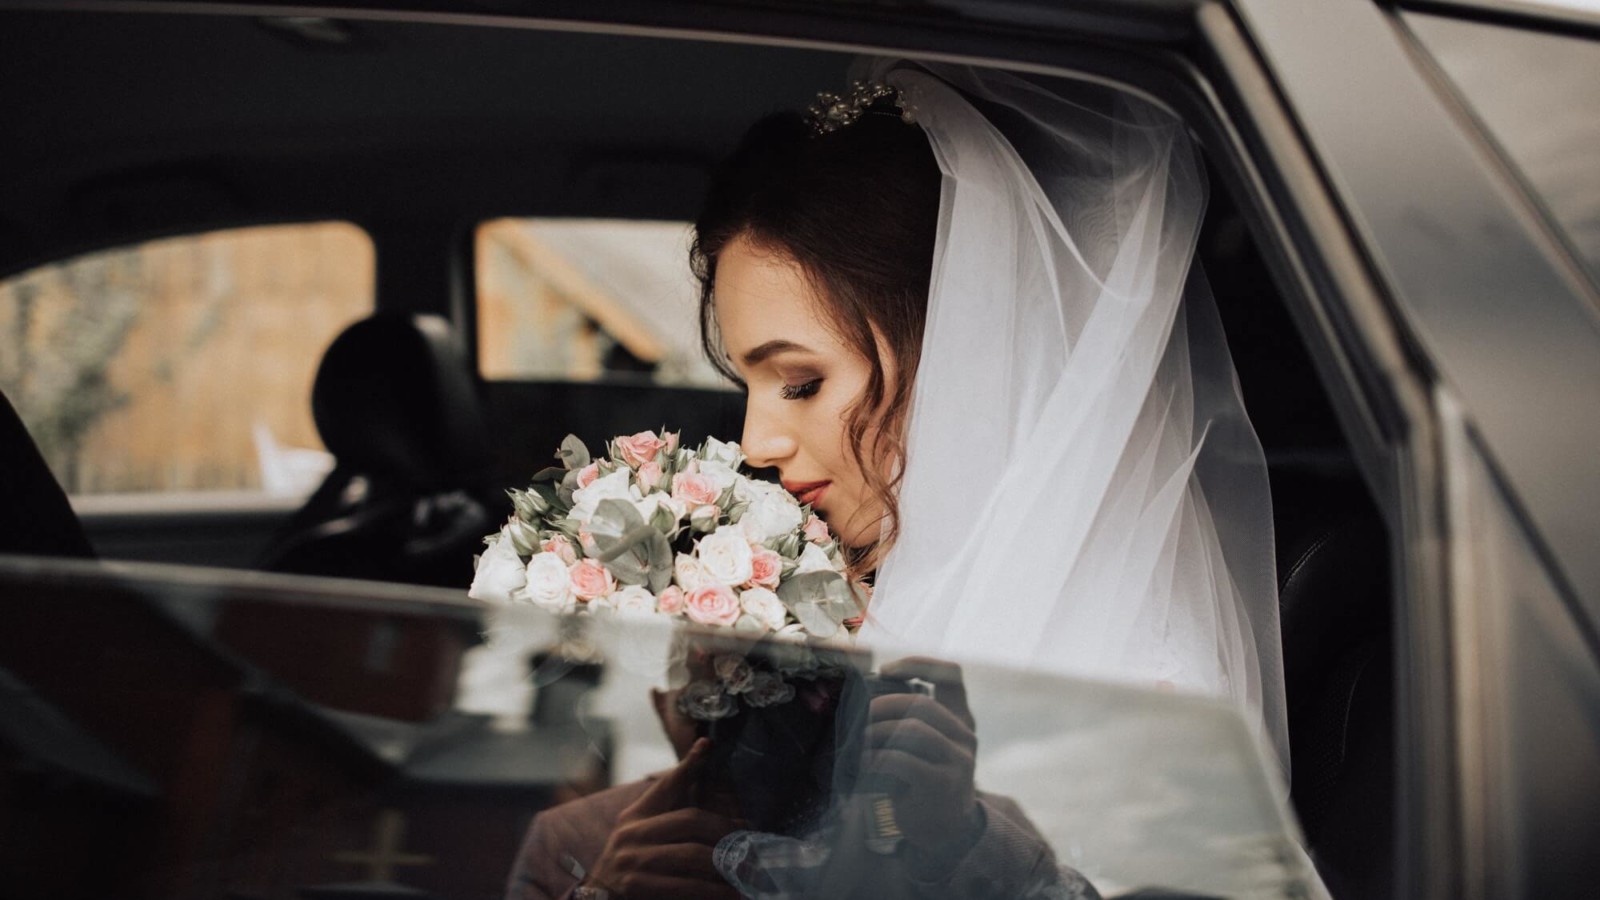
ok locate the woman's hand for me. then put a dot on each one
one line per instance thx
(661, 847)
(928, 745)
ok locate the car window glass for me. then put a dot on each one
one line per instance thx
(183, 364)
(1538, 95)
(320, 767)
(589, 300)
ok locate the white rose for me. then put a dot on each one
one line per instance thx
(687, 572)
(616, 486)
(765, 606)
(633, 600)
(721, 474)
(647, 507)
(773, 512)
(814, 559)
(728, 454)
(725, 556)
(500, 573)
(549, 587)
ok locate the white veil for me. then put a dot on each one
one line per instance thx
(1083, 492)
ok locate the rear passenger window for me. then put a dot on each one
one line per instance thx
(589, 300)
(183, 364)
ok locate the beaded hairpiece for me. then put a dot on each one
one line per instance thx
(831, 112)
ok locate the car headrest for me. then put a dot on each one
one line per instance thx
(394, 399)
(35, 517)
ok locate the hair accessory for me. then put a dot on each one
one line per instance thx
(831, 112)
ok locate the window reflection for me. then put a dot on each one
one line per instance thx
(239, 737)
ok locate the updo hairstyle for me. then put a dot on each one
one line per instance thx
(858, 210)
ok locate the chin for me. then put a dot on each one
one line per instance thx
(856, 536)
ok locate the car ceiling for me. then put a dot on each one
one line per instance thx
(134, 124)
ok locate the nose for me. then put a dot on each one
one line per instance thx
(766, 442)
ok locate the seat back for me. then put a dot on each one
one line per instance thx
(1334, 589)
(410, 495)
(35, 517)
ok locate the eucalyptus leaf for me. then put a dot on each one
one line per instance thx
(635, 551)
(814, 619)
(808, 587)
(574, 454)
(551, 474)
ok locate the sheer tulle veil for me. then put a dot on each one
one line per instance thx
(1083, 492)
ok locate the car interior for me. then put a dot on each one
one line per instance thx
(129, 128)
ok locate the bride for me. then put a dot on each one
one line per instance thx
(964, 309)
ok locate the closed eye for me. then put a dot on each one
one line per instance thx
(800, 391)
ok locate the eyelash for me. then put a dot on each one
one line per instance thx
(800, 391)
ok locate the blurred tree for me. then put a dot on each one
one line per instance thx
(66, 325)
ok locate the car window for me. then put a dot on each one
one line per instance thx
(318, 769)
(589, 300)
(183, 364)
(1538, 94)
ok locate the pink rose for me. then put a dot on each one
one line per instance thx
(591, 580)
(671, 600)
(649, 475)
(560, 546)
(713, 604)
(586, 541)
(672, 441)
(694, 490)
(588, 474)
(640, 448)
(765, 566)
(817, 530)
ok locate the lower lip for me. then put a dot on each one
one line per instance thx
(812, 497)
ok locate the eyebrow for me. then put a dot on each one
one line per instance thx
(771, 348)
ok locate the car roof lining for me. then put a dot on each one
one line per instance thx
(273, 131)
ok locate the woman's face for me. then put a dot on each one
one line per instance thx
(801, 382)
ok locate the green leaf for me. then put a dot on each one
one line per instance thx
(551, 474)
(828, 592)
(631, 548)
(573, 453)
(787, 546)
(814, 619)
(551, 497)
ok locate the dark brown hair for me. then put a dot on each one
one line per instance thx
(858, 210)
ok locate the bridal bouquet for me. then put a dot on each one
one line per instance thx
(656, 529)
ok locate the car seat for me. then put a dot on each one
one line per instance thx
(1335, 618)
(37, 520)
(410, 494)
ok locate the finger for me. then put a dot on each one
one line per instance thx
(950, 687)
(911, 771)
(687, 860)
(650, 886)
(686, 825)
(903, 707)
(917, 738)
(670, 791)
